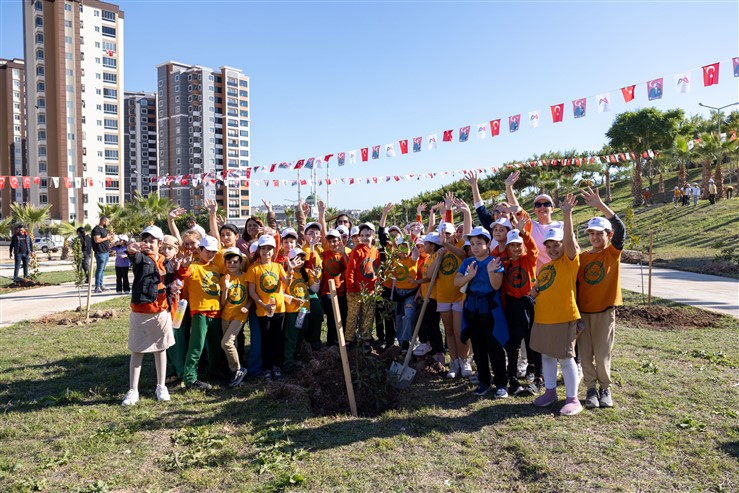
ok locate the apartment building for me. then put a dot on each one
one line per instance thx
(74, 78)
(203, 125)
(12, 131)
(140, 144)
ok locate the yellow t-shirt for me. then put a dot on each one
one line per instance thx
(267, 278)
(426, 272)
(404, 272)
(444, 290)
(237, 298)
(300, 288)
(599, 280)
(556, 301)
(203, 284)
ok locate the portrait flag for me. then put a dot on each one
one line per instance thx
(417, 142)
(579, 107)
(654, 89)
(375, 152)
(735, 61)
(514, 122)
(341, 157)
(464, 134)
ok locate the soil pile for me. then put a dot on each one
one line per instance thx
(666, 318)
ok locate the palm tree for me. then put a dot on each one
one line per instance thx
(711, 149)
(153, 207)
(5, 229)
(31, 216)
(682, 152)
(65, 230)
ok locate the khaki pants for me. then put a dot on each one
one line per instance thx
(596, 345)
(231, 329)
(355, 307)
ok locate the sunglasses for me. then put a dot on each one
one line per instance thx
(542, 204)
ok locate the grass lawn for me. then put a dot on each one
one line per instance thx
(675, 426)
(54, 278)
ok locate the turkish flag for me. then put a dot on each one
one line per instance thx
(403, 146)
(351, 181)
(276, 183)
(13, 182)
(184, 181)
(26, 182)
(494, 127)
(628, 93)
(37, 180)
(272, 167)
(303, 182)
(299, 164)
(710, 74)
(448, 137)
(67, 182)
(558, 112)
(2, 182)
(326, 158)
(108, 181)
(365, 154)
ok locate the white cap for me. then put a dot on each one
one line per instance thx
(446, 227)
(312, 225)
(209, 243)
(355, 231)
(341, 229)
(710, 180)
(154, 231)
(544, 196)
(394, 228)
(433, 238)
(289, 232)
(513, 236)
(295, 252)
(556, 234)
(420, 239)
(599, 224)
(266, 240)
(366, 225)
(125, 237)
(677, 188)
(503, 221)
(399, 240)
(253, 247)
(333, 233)
(478, 231)
(232, 251)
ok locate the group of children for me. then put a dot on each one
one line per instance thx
(485, 285)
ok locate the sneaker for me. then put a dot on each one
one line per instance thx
(474, 379)
(118, 292)
(535, 387)
(200, 385)
(482, 389)
(162, 393)
(465, 367)
(367, 347)
(591, 399)
(131, 398)
(514, 387)
(422, 349)
(501, 393)
(277, 373)
(530, 376)
(176, 385)
(605, 398)
(267, 376)
(572, 406)
(103, 288)
(237, 378)
(453, 369)
(439, 358)
(548, 398)
(98, 290)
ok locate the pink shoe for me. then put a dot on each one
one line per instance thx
(547, 398)
(572, 406)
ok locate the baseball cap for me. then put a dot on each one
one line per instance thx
(154, 231)
(341, 229)
(433, 238)
(420, 239)
(295, 252)
(599, 224)
(394, 228)
(503, 221)
(401, 239)
(209, 243)
(266, 240)
(289, 232)
(366, 225)
(333, 233)
(478, 231)
(544, 197)
(171, 240)
(122, 237)
(556, 234)
(232, 251)
(312, 225)
(514, 236)
(253, 247)
(355, 231)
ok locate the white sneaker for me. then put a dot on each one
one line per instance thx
(161, 392)
(422, 349)
(132, 397)
(466, 367)
(453, 369)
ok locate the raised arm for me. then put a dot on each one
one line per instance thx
(592, 198)
(432, 216)
(572, 249)
(322, 221)
(509, 182)
(271, 218)
(300, 213)
(466, 215)
(212, 207)
(172, 225)
(385, 211)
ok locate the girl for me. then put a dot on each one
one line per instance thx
(384, 322)
(122, 265)
(235, 304)
(150, 326)
(556, 316)
(361, 274)
(175, 353)
(429, 334)
(305, 284)
(405, 289)
(335, 258)
(267, 284)
(483, 275)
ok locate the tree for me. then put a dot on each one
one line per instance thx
(5, 227)
(153, 207)
(642, 130)
(31, 216)
(681, 152)
(710, 149)
(65, 230)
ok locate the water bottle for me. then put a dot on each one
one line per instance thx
(179, 314)
(273, 302)
(301, 317)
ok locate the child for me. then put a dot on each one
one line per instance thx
(385, 322)
(404, 276)
(599, 292)
(150, 326)
(556, 315)
(335, 259)
(305, 283)
(361, 273)
(267, 284)
(176, 352)
(234, 310)
(677, 196)
(121, 265)
(483, 275)
(430, 332)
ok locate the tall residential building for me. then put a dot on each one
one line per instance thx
(12, 131)
(203, 124)
(140, 139)
(74, 78)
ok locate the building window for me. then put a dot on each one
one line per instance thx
(66, 24)
(109, 31)
(107, 15)
(109, 62)
(40, 103)
(111, 154)
(42, 135)
(38, 4)
(39, 54)
(67, 7)
(40, 38)
(42, 151)
(110, 124)
(41, 119)
(108, 77)
(40, 21)
(40, 70)
(110, 93)
(244, 83)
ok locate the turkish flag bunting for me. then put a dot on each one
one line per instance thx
(328, 181)
(248, 173)
(299, 164)
(448, 137)
(26, 182)
(272, 167)
(108, 181)
(2, 182)
(403, 146)
(374, 179)
(710, 74)
(276, 183)
(558, 112)
(185, 181)
(628, 93)
(351, 181)
(67, 182)
(494, 127)
(37, 180)
(303, 182)
(13, 182)
(365, 154)
(327, 157)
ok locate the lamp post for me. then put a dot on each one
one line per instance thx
(718, 117)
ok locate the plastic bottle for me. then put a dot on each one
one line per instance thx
(272, 301)
(301, 317)
(179, 314)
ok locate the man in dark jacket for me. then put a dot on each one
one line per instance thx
(22, 247)
(86, 246)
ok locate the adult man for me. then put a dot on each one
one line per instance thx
(696, 193)
(100, 246)
(86, 247)
(712, 191)
(22, 246)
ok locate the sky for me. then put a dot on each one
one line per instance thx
(329, 77)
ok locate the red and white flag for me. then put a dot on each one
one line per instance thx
(327, 157)
(298, 165)
(710, 74)
(495, 127)
(682, 82)
(365, 154)
(628, 93)
(26, 182)
(557, 112)
(403, 146)
(68, 182)
(579, 107)
(448, 136)
(13, 182)
(37, 180)
(604, 102)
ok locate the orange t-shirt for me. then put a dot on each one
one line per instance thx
(364, 261)
(520, 274)
(334, 267)
(160, 304)
(268, 280)
(599, 280)
(556, 301)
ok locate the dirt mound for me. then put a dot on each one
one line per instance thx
(720, 268)
(65, 320)
(26, 283)
(666, 318)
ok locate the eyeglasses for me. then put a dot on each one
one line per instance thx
(542, 204)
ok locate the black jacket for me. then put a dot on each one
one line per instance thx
(146, 279)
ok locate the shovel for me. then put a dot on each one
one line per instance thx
(401, 375)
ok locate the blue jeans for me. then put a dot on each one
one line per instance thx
(20, 258)
(101, 260)
(406, 314)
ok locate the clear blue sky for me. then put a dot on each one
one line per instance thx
(336, 76)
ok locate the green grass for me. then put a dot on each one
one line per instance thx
(674, 427)
(53, 278)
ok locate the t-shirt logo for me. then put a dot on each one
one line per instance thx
(367, 268)
(299, 289)
(269, 282)
(236, 294)
(450, 264)
(594, 272)
(211, 283)
(546, 277)
(333, 267)
(517, 277)
(401, 273)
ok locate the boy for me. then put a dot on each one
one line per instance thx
(361, 272)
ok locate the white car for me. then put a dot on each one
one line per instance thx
(46, 244)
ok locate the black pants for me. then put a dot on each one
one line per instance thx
(331, 337)
(520, 317)
(384, 322)
(121, 279)
(430, 329)
(487, 350)
(712, 198)
(273, 340)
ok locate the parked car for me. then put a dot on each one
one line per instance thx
(46, 244)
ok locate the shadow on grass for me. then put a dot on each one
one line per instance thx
(731, 448)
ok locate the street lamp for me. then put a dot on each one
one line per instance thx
(718, 117)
